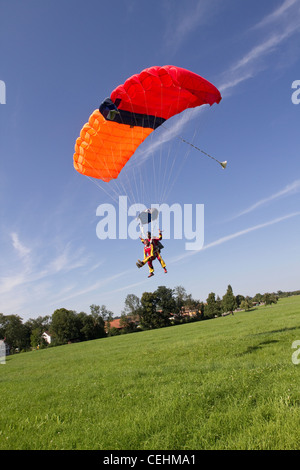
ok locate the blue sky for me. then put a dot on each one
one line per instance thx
(59, 60)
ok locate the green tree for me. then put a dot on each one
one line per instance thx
(219, 306)
(101, 311)
(239, 299)
(228, 301)
(36, 338)
(165, 300)
(270, 299)
(16, 334)
(128, 324)
(91, 326)
(246, 304)
(258, 298)
(65, 326)
(211, 307)
(148, 310)
(180, 296)
(151, 316)
(37, 327)
(132, 307)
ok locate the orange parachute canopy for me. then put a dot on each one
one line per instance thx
(132, 112)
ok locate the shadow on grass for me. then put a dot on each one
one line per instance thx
(272, 332)
(251, 349)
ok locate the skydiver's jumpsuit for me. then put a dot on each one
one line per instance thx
(151, 252)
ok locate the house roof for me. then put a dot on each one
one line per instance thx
(115, 323)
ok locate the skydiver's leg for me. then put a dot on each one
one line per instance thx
(163, 264)
(151, 269)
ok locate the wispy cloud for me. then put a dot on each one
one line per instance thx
(74, 291)
(33, 266)
(276, 27)
(181, 22)
(66, 260)
(20, 248)
(283, 11)
(232, 236)
(290, 189)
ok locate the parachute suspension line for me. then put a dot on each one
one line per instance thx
(133, 186)
(151, 196)
(164, 182)
(166, 171)
(155, 173)
(170, 185)
(174, 162)
(121, 183)
(100, 187)
(170, 176)
(136, 196)
(160, 173)
(142, 230)
(223, 164)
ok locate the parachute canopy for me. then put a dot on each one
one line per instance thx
(133, 110)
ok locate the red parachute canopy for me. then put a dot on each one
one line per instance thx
(132, 112)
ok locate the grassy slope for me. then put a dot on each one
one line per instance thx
(227, 383)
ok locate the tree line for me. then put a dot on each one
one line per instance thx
(161, 308)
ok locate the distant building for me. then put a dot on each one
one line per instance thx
(119, 325)
(115, 323)
(47, 337)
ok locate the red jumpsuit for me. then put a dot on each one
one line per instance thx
(152, 251)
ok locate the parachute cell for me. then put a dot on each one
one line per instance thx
(132, 112)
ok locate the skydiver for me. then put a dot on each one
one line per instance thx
(152, 247)
(155, 241)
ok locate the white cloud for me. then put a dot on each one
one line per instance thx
(288, 190)
(280, 12)
(277, 27)
(21, 249)
(66, 260)
(182, 21)
(234, 235)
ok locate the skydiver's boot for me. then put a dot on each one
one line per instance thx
(139, 263)
(151, 274)
(165, 269)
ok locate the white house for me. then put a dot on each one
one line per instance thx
(47, 337)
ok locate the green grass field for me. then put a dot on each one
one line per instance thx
(227, 383)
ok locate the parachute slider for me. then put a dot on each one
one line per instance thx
(147, 216)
